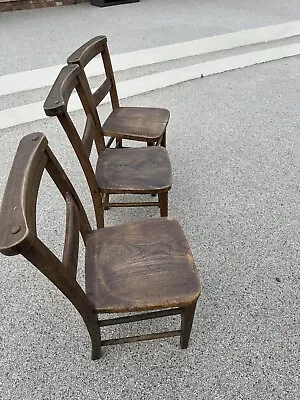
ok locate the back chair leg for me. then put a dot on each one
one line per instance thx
(98, 210)
(163, 204)
(118, 143)
(187, 317)
(106, 201)
(149, 144)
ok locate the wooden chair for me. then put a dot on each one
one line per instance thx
(145, 170)
(152, 268)
(133, 123)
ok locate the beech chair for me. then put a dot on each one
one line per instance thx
(133, 123)
(134, 267)
(144, 170)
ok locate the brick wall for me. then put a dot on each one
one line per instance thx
(11, 5)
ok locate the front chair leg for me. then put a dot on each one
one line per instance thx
(187, 317)
(163, 204)
(96, 347)
(95, 335)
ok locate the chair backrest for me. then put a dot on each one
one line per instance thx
(18, 233)
(84, 55)
(56, 104)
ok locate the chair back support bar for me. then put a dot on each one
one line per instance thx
(56, 104)
(70, 255)
(84, 55)
(102, 91)
(58, 98)
(18, 209)
(18, 224)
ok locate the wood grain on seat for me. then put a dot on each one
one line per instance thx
(137, 123)
(134, 170)
(140, 266)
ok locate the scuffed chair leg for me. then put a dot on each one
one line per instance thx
(187, 317)
(96, 346)
(95, 335)
(163, 204)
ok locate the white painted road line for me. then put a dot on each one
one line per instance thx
(42, 77)
(34, 111)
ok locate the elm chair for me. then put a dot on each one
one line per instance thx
(144, 170)
(144, 266)
(133, 123)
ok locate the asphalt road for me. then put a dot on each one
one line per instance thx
(45, 37)
(234, 143)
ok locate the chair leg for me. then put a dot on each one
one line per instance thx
(98, 210)
(163, 204)
(118, 143)
(96, 347)
(95, 335)
(187, 317)
(149, 144)
(164, 139)
(106, 201)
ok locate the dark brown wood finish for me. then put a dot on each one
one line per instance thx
(132, 123)
(154, 253)
(140, 266)
(145, 124)
(131, 170)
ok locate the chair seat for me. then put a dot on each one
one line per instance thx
(137, 123)
(140, 266)
(134, 170)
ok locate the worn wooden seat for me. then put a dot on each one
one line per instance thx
(141, 170)
(133, 123)
(137, 123)
(143, 266)
(144, 170)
